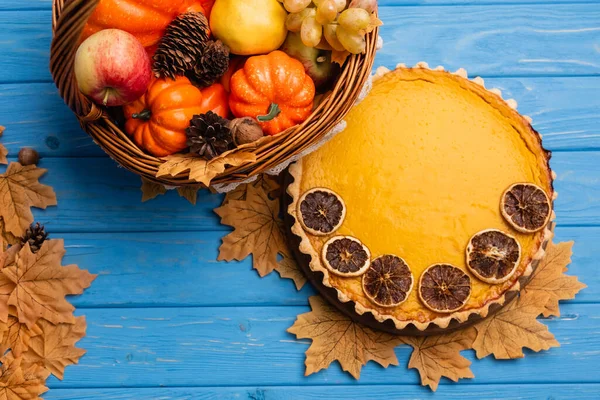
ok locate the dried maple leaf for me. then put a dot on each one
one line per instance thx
(41, 284)
(20, 190)
(190, 193)
(258, 230)
(336, 337)
(288, 268)
(268, 183)
(55, 348)
(151, 190)
(549, 278)
(19, 381)
(514, 327)
(3, 151)
(16, 336)
(339, 57)
(439, 356)
(200, 170)
(8, 238)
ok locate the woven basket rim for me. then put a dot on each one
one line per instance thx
(68, 20)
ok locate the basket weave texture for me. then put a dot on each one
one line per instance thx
(68, 20)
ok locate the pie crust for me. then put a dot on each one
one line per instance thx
(529, 261)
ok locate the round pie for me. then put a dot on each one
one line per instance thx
(421, 168)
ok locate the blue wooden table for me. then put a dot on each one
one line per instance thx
(166, 321)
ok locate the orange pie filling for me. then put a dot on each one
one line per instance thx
(421, 168)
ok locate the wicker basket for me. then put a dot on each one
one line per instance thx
(68, 20)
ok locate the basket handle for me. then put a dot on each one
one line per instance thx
(68, 20)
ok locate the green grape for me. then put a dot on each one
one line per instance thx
(369, 5)
(294, 6)
(340, 5)
(311, 32)
(355, 19)
(326, 12)
(354, 42)
(329, 31)
(293, 21)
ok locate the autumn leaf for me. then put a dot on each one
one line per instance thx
(201, 170)
(336, 337)
(20, 381)
(288, 268)
(514, 327)
(258, 230)
(55, 348)
(268, 183)
(190, 193)
(16, 336)
(41, 284)
(151, 190)
(439, 356)
(549, 277)
(7, 237)
(339, 57)
(20, 190)
(3, 151)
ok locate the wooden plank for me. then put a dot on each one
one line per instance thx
(565, 110)
(560, 39)
(449, 392)
(96, 196)
(171, 269)
(489, 40)
(179, 269)
(249, 346)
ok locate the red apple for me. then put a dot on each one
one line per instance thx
(112, 67)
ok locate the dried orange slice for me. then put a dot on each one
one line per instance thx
(526, 207)
(493, 256)
(321, 211)
(444, 288)
(346, 256)
(388, 281)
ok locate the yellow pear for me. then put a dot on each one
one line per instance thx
(249, 27)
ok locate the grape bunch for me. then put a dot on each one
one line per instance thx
(333, 22)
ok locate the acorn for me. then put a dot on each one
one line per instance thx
(28, 156)
(245, 130)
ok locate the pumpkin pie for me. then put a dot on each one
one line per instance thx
(432, 205)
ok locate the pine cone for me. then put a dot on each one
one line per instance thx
(182, 46)
(35, 235)
(209, 135)
(212, 65)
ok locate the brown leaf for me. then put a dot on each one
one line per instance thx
(190, 193)
(41, 284)
(20, 381)
(3, 151)
(200, 170)
(439, 356)
(258, 230)
(514, 327)
(268, 183)
(17, 336)
(55, 348)
(337, 338)
(339, 57)
(288, 268)
(20, 190)
(8, 238)
(549, 278)
(151, 190)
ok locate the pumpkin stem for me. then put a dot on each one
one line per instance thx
(274, 111)
(144, 115)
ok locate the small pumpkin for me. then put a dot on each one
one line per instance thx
(157, 121)
(216, 99)
(274, 89)
(145, 20)
(235, 64)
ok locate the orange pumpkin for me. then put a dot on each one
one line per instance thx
(216, 99)
(157, 121)
(208, 5)
(274, 89)
(145, 20)
(235, 64)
